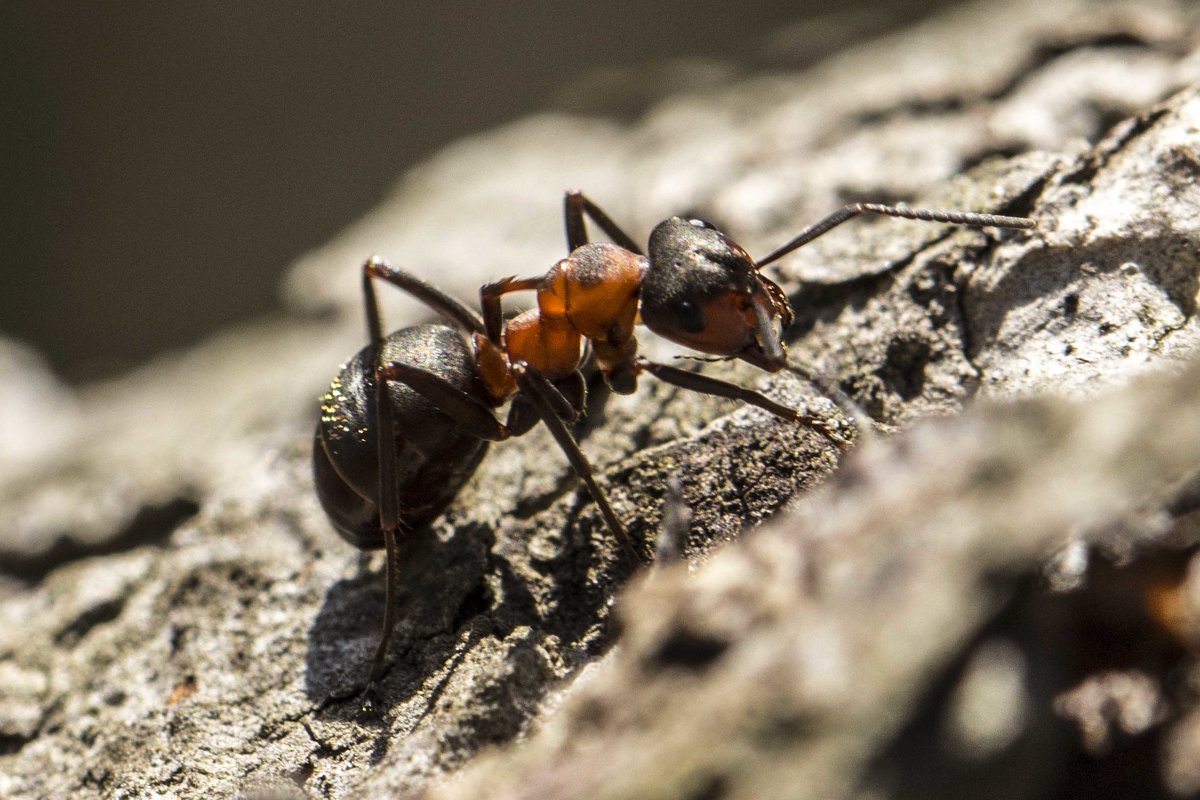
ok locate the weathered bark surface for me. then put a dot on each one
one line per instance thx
(997, 602)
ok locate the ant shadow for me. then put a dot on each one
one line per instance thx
(441, 588)
(455, 592)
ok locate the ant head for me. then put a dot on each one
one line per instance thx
(702, 290)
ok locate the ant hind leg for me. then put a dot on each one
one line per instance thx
(470, 414)
(389, 521)
(454, 311)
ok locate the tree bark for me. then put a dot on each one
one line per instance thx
(996, 601)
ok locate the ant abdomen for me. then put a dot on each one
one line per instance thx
(434, 455)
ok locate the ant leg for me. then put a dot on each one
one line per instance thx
(389, 501)
(719, 388)
(389, 509)
(573, 389)
(435, 298)
(473, 416)
(861, 419)
(466, 411)
(575, 205)
(489, 301)
(541, 392)
(928, 215)
(569, 400)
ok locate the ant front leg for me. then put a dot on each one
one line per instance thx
(575, 205)
(858, 415)
(719, 388)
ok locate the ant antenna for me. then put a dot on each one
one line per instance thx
(924, 214)
(703, 359)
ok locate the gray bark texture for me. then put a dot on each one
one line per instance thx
(992, 594)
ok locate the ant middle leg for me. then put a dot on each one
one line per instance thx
(575, 205)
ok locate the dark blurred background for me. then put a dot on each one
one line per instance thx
(164, 162)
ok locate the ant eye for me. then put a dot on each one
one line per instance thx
(702, 223)
(690, 318)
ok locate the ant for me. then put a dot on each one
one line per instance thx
(431, 390)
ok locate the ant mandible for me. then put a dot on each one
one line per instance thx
(432, 389)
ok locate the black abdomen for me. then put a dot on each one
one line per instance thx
(434, 456)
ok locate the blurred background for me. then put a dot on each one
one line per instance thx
(164, 162)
